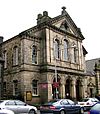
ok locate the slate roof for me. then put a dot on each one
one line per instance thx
(90, 65)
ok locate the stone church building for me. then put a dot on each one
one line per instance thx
(47, 61)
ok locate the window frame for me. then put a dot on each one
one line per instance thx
(15, 87)
(35, 88)
(34, 54)
(5, 58)
(65, 50)
(57, 49)
(15, 56)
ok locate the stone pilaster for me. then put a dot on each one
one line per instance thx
(73, 89)
(62, 87)
(82, 89)
(62, 90)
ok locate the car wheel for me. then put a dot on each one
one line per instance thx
(62, 112)
(31, 112)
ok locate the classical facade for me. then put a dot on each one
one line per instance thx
(47, 60)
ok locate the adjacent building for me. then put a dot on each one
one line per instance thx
(1, 69)
(93, 70)
(47, 61)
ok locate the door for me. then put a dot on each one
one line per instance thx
(67, 106)
(21, 106)
(74, 107)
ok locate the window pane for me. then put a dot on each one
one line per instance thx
(65, 50)
(20, 103)
(5, 59)
(15, 56)
(34, 54)
(10, 103)
(56, 49)
(34, 86)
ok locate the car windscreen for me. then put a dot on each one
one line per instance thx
(70, 102)
(84, 100)
(51, 102)
(96, 107)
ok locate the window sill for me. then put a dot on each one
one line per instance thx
(35, 96)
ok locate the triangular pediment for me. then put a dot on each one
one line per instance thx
(65, 23)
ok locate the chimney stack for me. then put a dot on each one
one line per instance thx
(1, 39)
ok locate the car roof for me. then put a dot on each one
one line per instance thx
(7, 100)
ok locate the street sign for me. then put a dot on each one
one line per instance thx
(55, 84)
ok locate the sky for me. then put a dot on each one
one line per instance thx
(19, 15)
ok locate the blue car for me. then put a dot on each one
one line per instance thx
(61, 106)
(95, 109)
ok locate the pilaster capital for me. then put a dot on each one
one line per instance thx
(73, 81)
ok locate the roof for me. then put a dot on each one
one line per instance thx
(90, 65)
(84, 50)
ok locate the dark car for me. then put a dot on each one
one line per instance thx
(61, 106)
(95, 109)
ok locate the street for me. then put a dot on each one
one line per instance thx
(38, 112)
(84, 112)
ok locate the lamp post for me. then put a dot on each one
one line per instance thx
(56, 80)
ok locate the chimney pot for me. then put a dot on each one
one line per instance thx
(1, 39)
(45, 13)
(39, 16)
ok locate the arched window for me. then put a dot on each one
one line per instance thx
(15, 55)
(35, 87)
(34, 54)
(5, 59)
(65, 51)
(75, 55)
(56, 49)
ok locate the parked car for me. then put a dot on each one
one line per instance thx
(5, 111)
(95, 109)
(17, 106)
(61, 106)
(87, 103)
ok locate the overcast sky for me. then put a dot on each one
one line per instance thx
(19, 15)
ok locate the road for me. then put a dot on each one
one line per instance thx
(84, 112)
